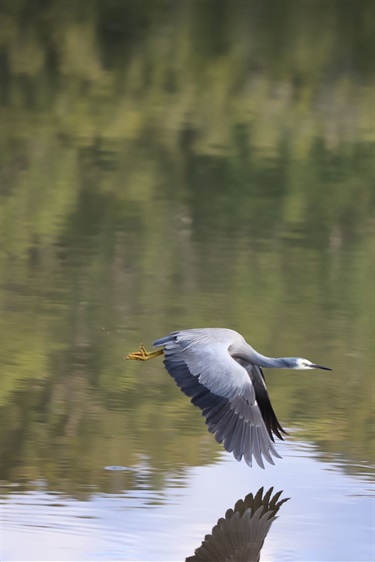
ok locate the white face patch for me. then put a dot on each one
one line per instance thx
(304, 363)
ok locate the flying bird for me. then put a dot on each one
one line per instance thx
(222, 374)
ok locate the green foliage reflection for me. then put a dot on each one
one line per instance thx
(175, 165)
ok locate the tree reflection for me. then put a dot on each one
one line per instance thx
(169, 165)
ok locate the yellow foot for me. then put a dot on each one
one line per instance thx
(143, 355)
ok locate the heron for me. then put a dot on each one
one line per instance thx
(222, 374)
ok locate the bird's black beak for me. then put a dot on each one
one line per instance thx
(320, 367)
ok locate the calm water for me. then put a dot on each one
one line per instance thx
(171, 166)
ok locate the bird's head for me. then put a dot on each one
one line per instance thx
(303, 364)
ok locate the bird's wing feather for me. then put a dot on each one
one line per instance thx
(230, 408)
(218, 371)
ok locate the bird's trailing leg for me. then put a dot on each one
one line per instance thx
(143, 355)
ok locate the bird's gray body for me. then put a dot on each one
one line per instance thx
(222, 374)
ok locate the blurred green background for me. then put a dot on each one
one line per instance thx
(171, 165)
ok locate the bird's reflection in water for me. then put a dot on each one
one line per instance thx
(240, 534)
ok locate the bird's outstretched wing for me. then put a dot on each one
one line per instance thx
(222, 388)
(269, 417)
(240, 534)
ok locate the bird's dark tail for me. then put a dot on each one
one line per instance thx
(162, 341)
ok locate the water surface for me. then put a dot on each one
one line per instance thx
(166, 167)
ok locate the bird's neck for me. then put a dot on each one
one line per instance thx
(267, 362)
